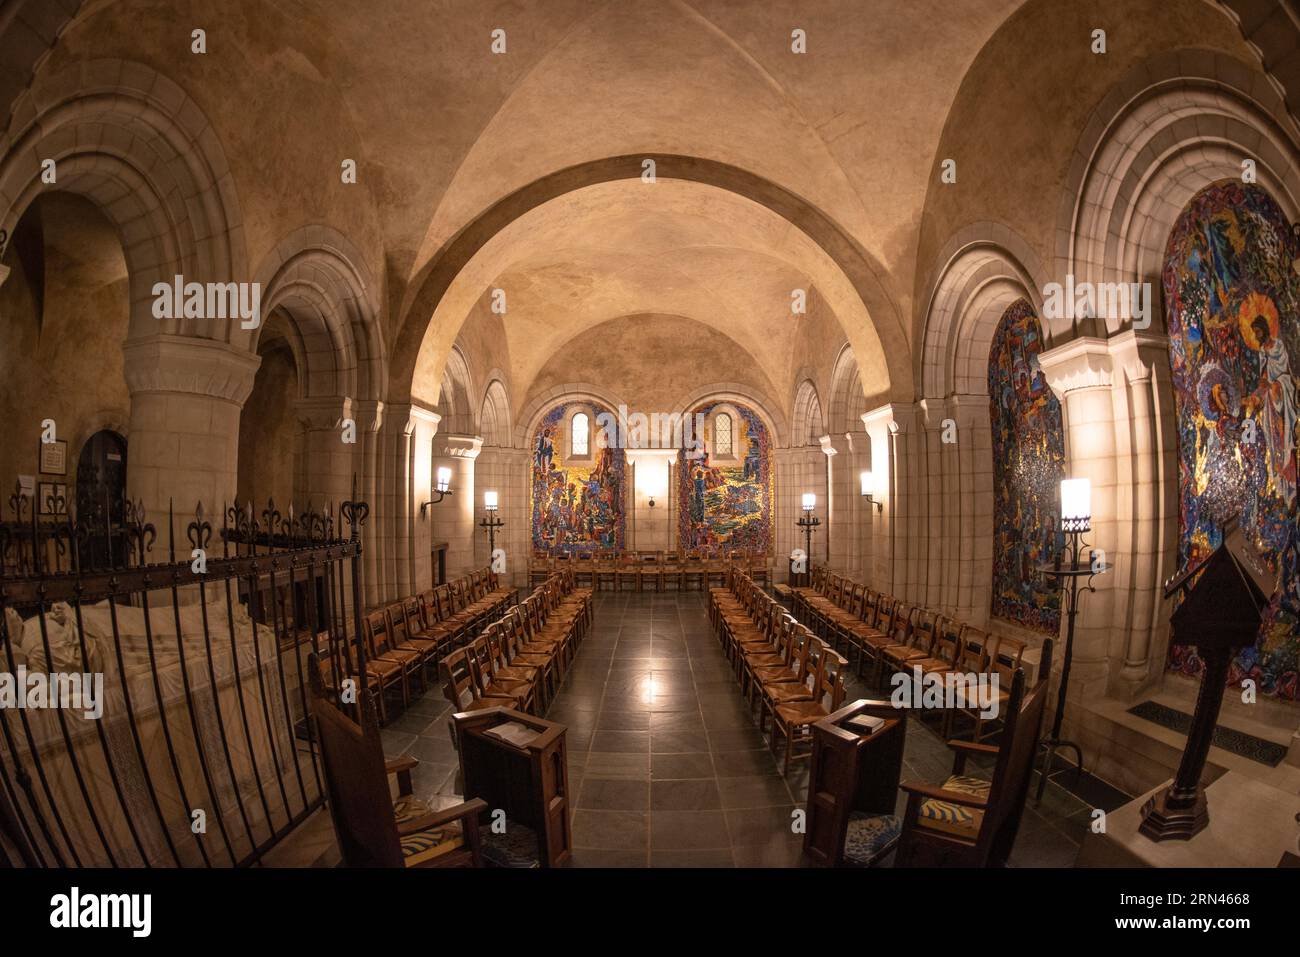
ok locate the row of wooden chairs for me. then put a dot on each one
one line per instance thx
(519, 661)
(791, 676)
(641, 570)
(890, 635)
(405, 640)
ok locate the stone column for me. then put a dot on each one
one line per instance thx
(507, 471)
(889, 429)
(1147, 505)
(416, 529)
(1080, 372)
(454, 517)
(186, 396)
(369, 416)
(326, 463)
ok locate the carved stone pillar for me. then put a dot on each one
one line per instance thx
(186, 397)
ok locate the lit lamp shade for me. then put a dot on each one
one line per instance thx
(490, 500)
(444, 479)
(1076, 505)
(868, 483)
(809, 501)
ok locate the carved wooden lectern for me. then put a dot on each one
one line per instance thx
(517, 763)
(857, 759)
(1219, 614)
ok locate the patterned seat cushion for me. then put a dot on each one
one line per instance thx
(424, 846)
(517, 847)
(954, 818)
(869, 836)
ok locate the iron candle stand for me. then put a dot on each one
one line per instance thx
(1068, 576)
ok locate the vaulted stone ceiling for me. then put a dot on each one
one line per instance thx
(442, 130)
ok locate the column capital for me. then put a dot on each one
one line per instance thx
(1140, 354)
(369, 414)
(968, 408)
(459, 446)
(409, 415)
(323, 413)
(1082, 363)
(167, 363)
(896, 416)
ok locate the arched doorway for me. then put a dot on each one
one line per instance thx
(101, 496)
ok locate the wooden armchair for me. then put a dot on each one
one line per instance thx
(966, 821)
(853, 786)
(373, 828)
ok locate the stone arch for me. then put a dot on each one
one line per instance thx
(317, 279)
(808, 425)
(1173, 125)
(535, 410)
(980, 272)
(882, 334)
(736, 393)
(136, 145)
(494, 414)
(454, 403)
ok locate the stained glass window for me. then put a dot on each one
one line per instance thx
(579, 434)
(722, 442)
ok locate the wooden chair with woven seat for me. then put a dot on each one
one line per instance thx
(769, 661)
(497, 680)
(606, 570)
(381, 652)
(790, 680)
(673, 570)
(542, 657)
(918, 644)
(693, 569)
(792, 721)
(339, 664)
(406, 631)
(1004, 657)
(968, 821)
(373, 828)
(460, 685)
(540, 567)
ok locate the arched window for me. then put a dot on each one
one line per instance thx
(722, 441)
(579, 434)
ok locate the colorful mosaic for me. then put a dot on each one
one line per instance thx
(728, 504)
(1028, 465)
(574, 507)
(1232, 293)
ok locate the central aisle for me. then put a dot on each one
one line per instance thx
(667, 767)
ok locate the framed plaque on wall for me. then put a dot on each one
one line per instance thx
(54, 457)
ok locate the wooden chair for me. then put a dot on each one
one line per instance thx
(672, 570)
(460, 685)
(628, 572)
(381, 652)
(918, 644)
(693, 569)
(584, 569)
(792, 722)
(606, 570)
(966, 821)
(374, 829)
(650, 568)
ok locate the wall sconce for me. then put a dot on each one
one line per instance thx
(868, 489)
(442, 489)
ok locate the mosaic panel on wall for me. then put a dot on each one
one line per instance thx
(575, 507)
(727, 503)
(1232, 293)
(1028, 464)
